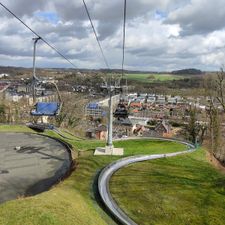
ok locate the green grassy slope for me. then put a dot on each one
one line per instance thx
(73, 201)
(180, 190)
(68, 203)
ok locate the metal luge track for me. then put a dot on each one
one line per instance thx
(108, 171)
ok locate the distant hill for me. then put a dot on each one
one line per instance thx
(13, 71)
(187, 71)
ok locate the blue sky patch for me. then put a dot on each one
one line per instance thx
(160, 15)
(52, 17)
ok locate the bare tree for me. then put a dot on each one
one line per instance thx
(195, 129)
(215, 87)
(2, 113)
(220, 87)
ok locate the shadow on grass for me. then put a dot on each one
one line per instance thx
(99, 201)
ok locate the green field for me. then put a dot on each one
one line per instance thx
(181, 190)
(150, 78)
(74, 201)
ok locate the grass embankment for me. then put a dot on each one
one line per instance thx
(180, 190)
(150, 78)
(131, 147)
(14, 128)
(73, 201)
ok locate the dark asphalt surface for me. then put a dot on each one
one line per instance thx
(34, 168)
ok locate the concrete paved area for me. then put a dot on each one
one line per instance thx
(108, 151)
(34, 167)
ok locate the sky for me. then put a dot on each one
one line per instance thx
(161, 35)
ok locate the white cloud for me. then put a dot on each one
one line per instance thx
(199, 16)
(161, 35)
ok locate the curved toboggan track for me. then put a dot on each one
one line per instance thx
(108, 171)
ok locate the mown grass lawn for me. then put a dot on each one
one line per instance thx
(74, 201)
(131, 147)
(141, 146)
(181, 190)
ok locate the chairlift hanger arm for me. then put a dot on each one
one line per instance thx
(57, 90)
(37, 79)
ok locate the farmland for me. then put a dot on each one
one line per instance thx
(150, 78)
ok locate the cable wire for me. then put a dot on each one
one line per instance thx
(96, 36)
(124, 35)
(52, 47)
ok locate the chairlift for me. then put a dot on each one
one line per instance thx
(47, 108)
(121, 111)
(116, 87)
(41, 108)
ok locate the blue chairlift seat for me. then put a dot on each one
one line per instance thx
(46, 109)
(93, 105)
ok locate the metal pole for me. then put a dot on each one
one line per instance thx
(110, 128)
(34, 67)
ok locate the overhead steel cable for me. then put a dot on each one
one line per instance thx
(124, 35)
(52, 47)
(96, 36)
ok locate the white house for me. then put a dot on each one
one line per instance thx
(4, 75)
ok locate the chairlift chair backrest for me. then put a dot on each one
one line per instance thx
(48, 108)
